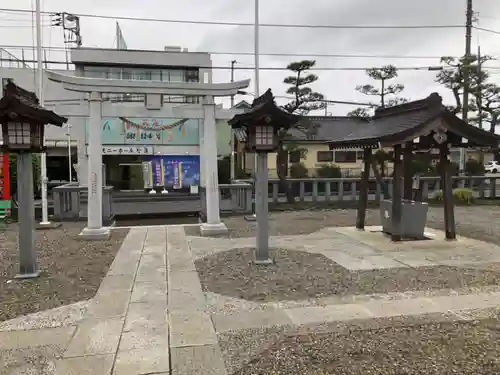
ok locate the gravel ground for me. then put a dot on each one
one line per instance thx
(478, 222)
(401, 346)
(72, 270)
(299, 275)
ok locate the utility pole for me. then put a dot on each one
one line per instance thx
(257, 94)
(466, 72)
(479, 96)
(43, 156)
(232, 80)
(479, 92)
(232, 161)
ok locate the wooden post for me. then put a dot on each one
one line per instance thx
(397, 204)
(363, 191)
(408, 171)
(447, 186)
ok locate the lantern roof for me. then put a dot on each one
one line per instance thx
(264, 107)
(27, 106)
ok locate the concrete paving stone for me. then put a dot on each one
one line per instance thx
(345, 260)
(36, 337)
(156, 240)
(184, 280)
(356, 249)
(197, 360)
(144, 338)
(154, 249)
(149, 293)
(412, 259)
(348, 247)
(186, 300)
(123, 267)
(250, 319)
(311, 315)
(95, 336)
(88, 365)
(183, 263)
(360, 262)
(416, 306)
(137, 233)
(107, 305)
(151, 275)
(379, 262)
(174, 230)
(142, 361)
(116, 283)
(153, 260)
(467, 302)
(145, 316)
(190, 329)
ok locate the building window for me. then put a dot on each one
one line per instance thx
(192, 75)
(294, 157)
(175, 76)
(345, 156)
(324, 156)
(359, 155)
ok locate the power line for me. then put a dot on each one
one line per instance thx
(487, 30)
(21, 26)
(225, 23)
(329, 55)
(423, 68)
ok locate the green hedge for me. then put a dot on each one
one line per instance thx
(461, 196)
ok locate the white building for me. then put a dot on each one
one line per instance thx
(128, 142)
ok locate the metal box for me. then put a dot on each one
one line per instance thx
(414, 218)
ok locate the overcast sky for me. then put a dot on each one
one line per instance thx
(15, 29)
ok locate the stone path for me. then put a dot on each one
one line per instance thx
(151, 316)
(122, 330)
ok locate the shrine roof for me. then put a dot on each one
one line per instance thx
(26, 103)
(405, 122)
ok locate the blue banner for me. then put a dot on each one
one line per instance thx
(176, 171)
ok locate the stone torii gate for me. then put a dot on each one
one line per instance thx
(94, 109)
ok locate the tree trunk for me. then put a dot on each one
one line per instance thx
(282, 172)
(380, 181)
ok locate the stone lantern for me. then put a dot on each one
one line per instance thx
(262, 123)
(23, 122)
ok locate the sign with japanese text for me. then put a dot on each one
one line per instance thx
(126, 150)
(123, 131)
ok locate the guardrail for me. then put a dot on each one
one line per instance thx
(70, 200)
(346, 189)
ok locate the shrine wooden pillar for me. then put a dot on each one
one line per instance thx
(363, 191)
(408, 171)
(397, 202)
(447, 185)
